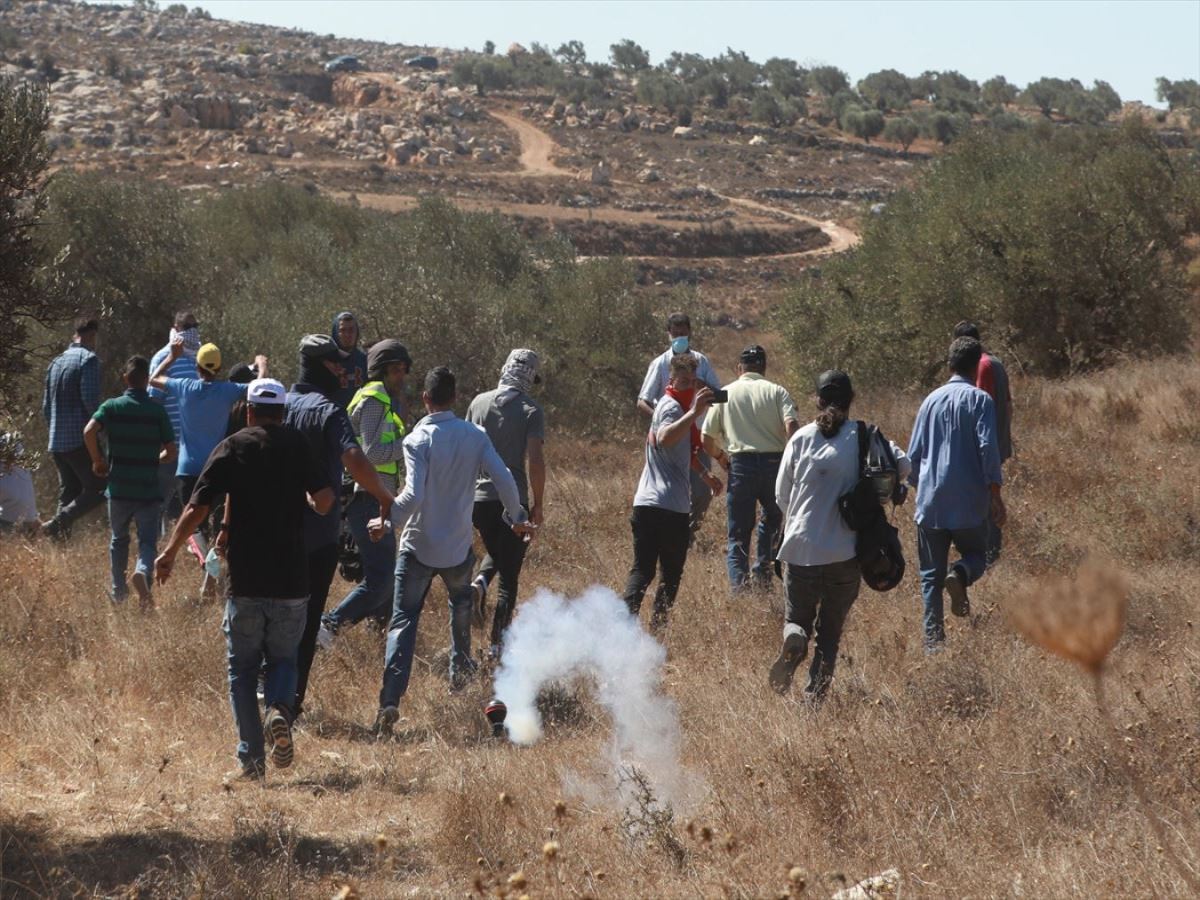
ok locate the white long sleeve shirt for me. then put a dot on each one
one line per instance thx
(814, 472)
(443, 456)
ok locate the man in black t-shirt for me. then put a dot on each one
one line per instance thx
(270, 477)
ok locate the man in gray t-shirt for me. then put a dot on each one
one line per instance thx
(663, 500)
(517, 427)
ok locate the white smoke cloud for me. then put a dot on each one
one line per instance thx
(554, 639)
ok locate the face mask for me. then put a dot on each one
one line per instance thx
(679, 344)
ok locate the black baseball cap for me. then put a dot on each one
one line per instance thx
(834, 387)
(754, 355)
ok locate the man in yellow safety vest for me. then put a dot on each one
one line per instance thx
(376, 411)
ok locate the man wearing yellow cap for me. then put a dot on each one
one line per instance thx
(204, 405)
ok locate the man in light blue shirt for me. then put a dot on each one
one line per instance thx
(956, 469)
(443, 456)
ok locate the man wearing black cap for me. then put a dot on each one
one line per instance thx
(376, 412)
(312, 411)
(747, 436)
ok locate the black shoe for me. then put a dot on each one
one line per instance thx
(278, 732)
(956, 587)
(795, 648)
(385, 720)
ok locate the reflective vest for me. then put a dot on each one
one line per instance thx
(393, 425)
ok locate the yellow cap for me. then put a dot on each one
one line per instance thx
(208, 358)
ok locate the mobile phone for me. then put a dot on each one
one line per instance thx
(720, 396)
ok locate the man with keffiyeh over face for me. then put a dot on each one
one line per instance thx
(517, 427)
(662, 503)
(186, 328)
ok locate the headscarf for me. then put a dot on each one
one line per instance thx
(519, 375)
(191, 340)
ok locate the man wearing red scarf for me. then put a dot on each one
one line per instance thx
(662, 503)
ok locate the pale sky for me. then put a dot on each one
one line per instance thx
(1128, 43)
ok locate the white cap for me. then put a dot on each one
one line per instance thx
(266, 392)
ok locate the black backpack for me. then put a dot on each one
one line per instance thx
(877, 546)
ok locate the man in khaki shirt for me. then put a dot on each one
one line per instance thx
(747, 436)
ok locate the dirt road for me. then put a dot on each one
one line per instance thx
(538, 147)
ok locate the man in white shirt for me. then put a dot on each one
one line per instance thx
(443, 455)
(679, 333)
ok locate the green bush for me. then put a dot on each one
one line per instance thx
(886, 89)
(263, 266)
(902, 131)
(1064, 245)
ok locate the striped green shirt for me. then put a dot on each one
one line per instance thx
(137, 428)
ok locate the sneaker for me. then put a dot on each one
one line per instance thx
(278, 732)
(54, 530)
(247, 772)
(795, 648)
(463, 674)
(385, 720)
(325, 637)
(956, 587)
(658, 620)
(479, 599)
(141, 587)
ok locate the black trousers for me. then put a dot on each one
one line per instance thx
(660, 536)
(505, 556)
(80, 489)
(818, 600)
(322, 563)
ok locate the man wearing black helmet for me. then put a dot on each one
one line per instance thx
(377, 414)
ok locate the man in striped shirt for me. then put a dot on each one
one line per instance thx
(71, 395)
(139, 438)
(186, 328)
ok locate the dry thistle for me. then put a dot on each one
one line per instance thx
(796, 877)
(1080, 618)
(705, 833)
(550, 850)
(560, 809)
(381, 843)
(506, 798)
(346, 892)
(517, 881)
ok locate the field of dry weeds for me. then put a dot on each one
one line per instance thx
(983, 772)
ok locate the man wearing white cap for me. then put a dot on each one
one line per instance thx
(270, 478)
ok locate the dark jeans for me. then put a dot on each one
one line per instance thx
(505, 555)
(995, 541)
(322, 564)
(80, 489)
(818, 601)
(413, 579)
(373, 595)
(933, 552)
(659, 536)
(258, 629)
(144, 515)
(167, 487)
(752, 484)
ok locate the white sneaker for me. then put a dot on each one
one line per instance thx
(479, 599)
(325, 637)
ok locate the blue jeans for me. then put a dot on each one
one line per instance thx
(752, 484)
(144, 515)
(257, 628)
(373, 595)
(933, 551)
(413, 579)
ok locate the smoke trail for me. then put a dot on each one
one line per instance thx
(554, 638)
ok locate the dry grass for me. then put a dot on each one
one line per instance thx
(981, 772)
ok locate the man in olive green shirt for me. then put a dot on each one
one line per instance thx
(747, 436)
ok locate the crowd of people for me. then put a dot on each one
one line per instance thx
(283, 483)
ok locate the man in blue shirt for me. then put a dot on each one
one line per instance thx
(956, 469)
(71, 396)
(185, 326)
(443, 456)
